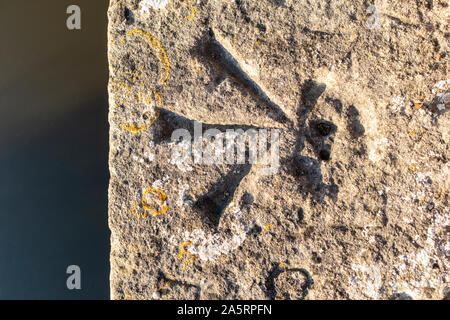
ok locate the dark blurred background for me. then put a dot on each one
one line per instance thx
(53, 150)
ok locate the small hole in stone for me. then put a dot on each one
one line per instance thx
(301, 215)
(325, 154)
(323, 129)
(129, 17)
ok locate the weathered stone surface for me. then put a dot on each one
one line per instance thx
(359, 206)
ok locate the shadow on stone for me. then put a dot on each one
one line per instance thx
(212, 204)
(224, 63)
(308, 173)
(354, 126)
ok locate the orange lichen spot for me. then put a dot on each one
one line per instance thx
(155, 44)
(418, 106)
(135, 128)
(158, 98)
(142, 216)
(438, 57)
(192, 15)
(164, 288)
(161, 197)
(128, 296)
(133, 210)
(268, 227)
(182, 250)
(189, 257)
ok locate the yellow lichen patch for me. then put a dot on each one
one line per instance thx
(268, 227)
(133, 210)
(135, 128)
(192, 15)
(128, 296)
(161, 197)
(188, 261)
(182, 250)
(161, 52)
(164, 288)
(189, 257)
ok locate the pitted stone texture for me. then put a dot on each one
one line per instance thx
(360, 202)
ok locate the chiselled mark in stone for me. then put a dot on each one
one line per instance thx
(218, 54)
(208, 245)
(354, 125)
(274, 276)
(212, 204)
(321, 34)
(176, 289)
(319, 132)
(215, 237)
(400, 21)
(316, 132)
(170, 121)
(311, 92)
